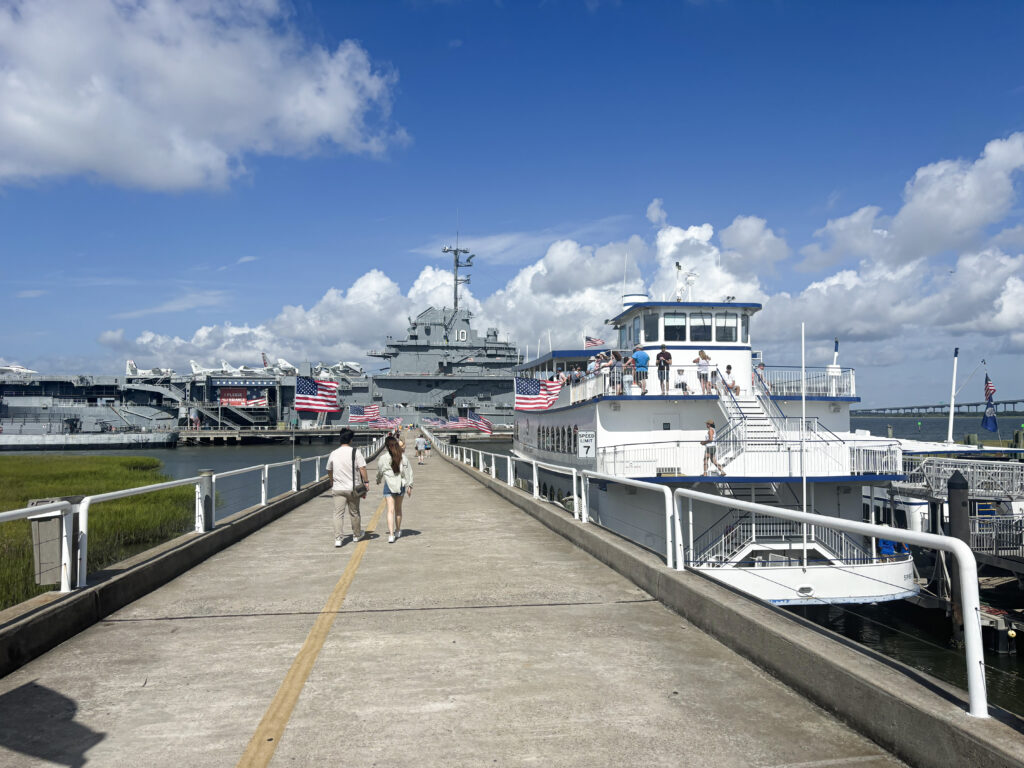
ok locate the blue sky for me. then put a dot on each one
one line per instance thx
(209, 180)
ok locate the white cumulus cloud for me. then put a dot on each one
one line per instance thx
(170, 95)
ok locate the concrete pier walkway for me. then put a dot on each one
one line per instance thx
(478, 638)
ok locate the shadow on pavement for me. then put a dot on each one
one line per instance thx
(39, 722)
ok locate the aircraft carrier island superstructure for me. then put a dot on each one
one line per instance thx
(445, 368)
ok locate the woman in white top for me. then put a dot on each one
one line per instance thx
(394, 469)
(703, 372)
(709, 448)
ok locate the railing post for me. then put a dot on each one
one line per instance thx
(585, 495)
(67, 530)
(536, 488)
(296, 474)
(82, 510)
(511, 481)
(264, 484)
(575, 498)
(316, 468)
(689, 523)
(204, 501)
(668, 528)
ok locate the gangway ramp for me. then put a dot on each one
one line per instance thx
(478, 638)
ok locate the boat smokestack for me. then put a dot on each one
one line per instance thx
(835, 355)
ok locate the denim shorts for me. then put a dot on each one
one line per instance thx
(388, 492)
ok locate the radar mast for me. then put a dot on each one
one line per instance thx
(456, 264)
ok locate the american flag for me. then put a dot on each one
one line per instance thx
(315, 395)
(480, 422)
(592, 341)
(363, 413)
(256, 402)
(458, 422)
(990, 388)
(536, 395)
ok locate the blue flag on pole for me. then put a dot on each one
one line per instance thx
(988, 421)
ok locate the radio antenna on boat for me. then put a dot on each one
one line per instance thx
(689, 277)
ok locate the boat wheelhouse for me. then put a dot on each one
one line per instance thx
(779, 430)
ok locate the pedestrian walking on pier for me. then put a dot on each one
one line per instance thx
(394, 469)
(421, 449)
(345, 466)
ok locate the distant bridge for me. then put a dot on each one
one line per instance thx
(942, 409)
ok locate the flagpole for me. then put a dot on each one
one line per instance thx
(952, 396)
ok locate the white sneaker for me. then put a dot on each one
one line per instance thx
(337, 542)
(391, 539)
(398, 533)
(357, 538)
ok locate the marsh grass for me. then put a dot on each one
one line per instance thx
(117, 529)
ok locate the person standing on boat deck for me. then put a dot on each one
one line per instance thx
(703, 371)
(421, 448)
(591, 367)
(615, 366)
(394, 470)
(640, 362)
(709, 448)
(342, 465)
(664, 363)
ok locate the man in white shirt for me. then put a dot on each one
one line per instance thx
(341, 467)
(421, 448)
(730, 380)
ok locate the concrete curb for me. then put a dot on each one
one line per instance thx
(35, 626)
(918, 719)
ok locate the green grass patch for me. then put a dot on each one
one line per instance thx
(117, 529)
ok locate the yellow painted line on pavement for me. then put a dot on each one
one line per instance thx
(271, 728)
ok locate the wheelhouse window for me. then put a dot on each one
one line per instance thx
(675, 327)
(622, 337)
(745, 328)
(726, 324)
(635, 338)
(650, 327)
(700, 326)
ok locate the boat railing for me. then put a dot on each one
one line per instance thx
(216, 497)
(986, 479)
(998, 535)
(676, 547)
(753, 457)
(830, 381)
(966, 562)
(682, 382)
(731, 441)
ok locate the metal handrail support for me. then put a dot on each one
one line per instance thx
(82, 509)
(67, 510)
(671, 515)
(974, 651)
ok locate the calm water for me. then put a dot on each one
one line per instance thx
(936, 427)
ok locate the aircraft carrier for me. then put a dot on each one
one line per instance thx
(443, 368)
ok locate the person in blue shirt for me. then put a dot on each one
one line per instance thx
(640, 361)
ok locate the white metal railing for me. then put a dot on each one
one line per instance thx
(821, 382)
(750, 457)
(82, 508)
(823, 528)
(682, 381)
(988, 479)
(1000, 535)
(966, 563)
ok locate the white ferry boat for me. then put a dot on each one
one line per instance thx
(767, 450)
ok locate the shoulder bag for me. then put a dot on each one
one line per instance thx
(358, 486)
